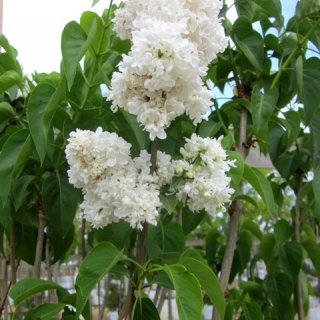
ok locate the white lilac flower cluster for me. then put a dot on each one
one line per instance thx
(204, 184)
(115, 186)
(172, 43)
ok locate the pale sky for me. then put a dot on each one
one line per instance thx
(34, 28)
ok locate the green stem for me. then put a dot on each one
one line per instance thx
(292, 54)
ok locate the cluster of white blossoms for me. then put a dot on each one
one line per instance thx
(204, 183)
(172, 43)
(115, 186)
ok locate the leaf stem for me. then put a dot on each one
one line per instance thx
(292, 54)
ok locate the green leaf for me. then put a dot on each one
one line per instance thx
(245, 7)
(246, 198)
(280, 290)
(283, 230)
(28, 287)
(71, 299)
(46, 311)
(313, 251)
(235, 172)
(145, 309)
(272, 8)
(169, 202)
(4, 43)
(262, 106)
(252, 310)
(42, 106)
(251, 45)
(74, 44)
(60, 245)
(7, 112)
(10, 79)
(95, 2)
(316, 190)
(188, 292)
(60, 200)
(195, 264)
(311, 87)
(20, 191)
(291, 258)
(96, 264)
(292, 124)
(14, 154)
(190, 219)
(315, 131)
(209, 128)
(86, 22)
(252, 227)
(168, 237)
(241, 27)
(262, 185)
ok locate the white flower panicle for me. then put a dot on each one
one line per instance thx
(114, 185)
(205, 184)
(172, 44)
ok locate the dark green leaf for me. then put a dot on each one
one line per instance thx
(60, 201)
(311, 87)
(20, 191)
(14, 154)
(280, 290)
(6, 112)
(291, 257)
(188, 292)
(252, 310)
(283, 230)
(262, 106)
(42, 106)
(28, 287)
(252, 227)
(316, 190)
(168, 237)
(26, 238)
(144, 309)
(313, 251)
(261, 185)
(96, 264)
(190, 219)
(272, 8)
(251, 45)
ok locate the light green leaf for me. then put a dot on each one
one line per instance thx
(313, 251)
(169, 202)
(262, 185)
(262, 106)
(46, 311)
(251, 46)
(4, 43)
(42, 106)
(246, 198)
(28, 287)
(195, 264)
(145, 309)
(188, 292)
(94, 2)
(10, 79)
(96, 264)
(14, 154)
(60, 200)
(74, 44)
